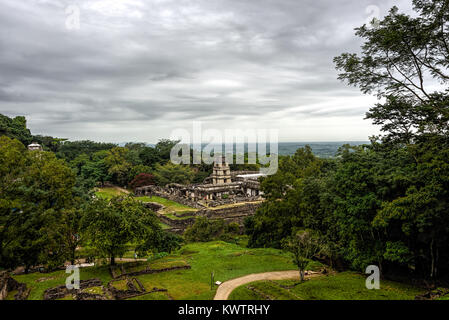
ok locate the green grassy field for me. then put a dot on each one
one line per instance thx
(170, 206)
(108, 193)
(339, 286)
(226, 260)
(153, 296)
(39, 282)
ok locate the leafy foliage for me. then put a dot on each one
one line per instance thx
(141, 180)
(204, 230)
(109, 225)
(384, 203)
(15, 129)
(303, 245)
(37, 190)
(401, 60)
(172, 173)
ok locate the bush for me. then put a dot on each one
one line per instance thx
(142, 180)
(158, 256)
(169, 242)
(204, 230)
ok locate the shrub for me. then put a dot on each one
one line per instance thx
(204, 230)
(142, 180)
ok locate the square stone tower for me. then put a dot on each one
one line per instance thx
(221, 173)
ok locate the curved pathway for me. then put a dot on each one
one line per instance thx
(225, 289)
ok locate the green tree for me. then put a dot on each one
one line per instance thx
(204, 230)
(149, 156)
(71, 231)
(112, 224)
(118, 165)
(69, 150)
(358, 186)
(35, 190)
(162, 242)
(15, 128)
(303, 246)
(416, 219)
(397, 200)
(293, 199)
(172, 173)
(401, 60)
(49, 143)
(163, 149)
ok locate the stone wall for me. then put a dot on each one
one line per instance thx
(8, 284)
(161, 192)
(177, 225)
(134, 288)
(153, 206)
(229, 214)
(61, 291)
(234, 200)
(146, 270)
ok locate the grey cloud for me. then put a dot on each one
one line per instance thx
(162, 60)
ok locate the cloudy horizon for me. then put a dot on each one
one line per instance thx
(136, 70)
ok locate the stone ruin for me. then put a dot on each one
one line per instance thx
(433, 294)
(62, 291)
(222, 187)
(153, 206)
(119, 272)
(235, 214)
(9, 284)
(135, 288)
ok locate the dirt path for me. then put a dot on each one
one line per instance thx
(225, 289)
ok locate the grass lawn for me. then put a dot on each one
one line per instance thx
(108, 193)
(446, 297)
(11, 295)
(39, 282)
(93, 290)
(226, 260)
(153, 296)
(170, 206)
(164, 226)
(339, 286)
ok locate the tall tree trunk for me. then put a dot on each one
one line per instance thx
(72, 258)
(112, 260)
(301, 275)
(432, 256)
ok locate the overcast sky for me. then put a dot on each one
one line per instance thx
(136, 70)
